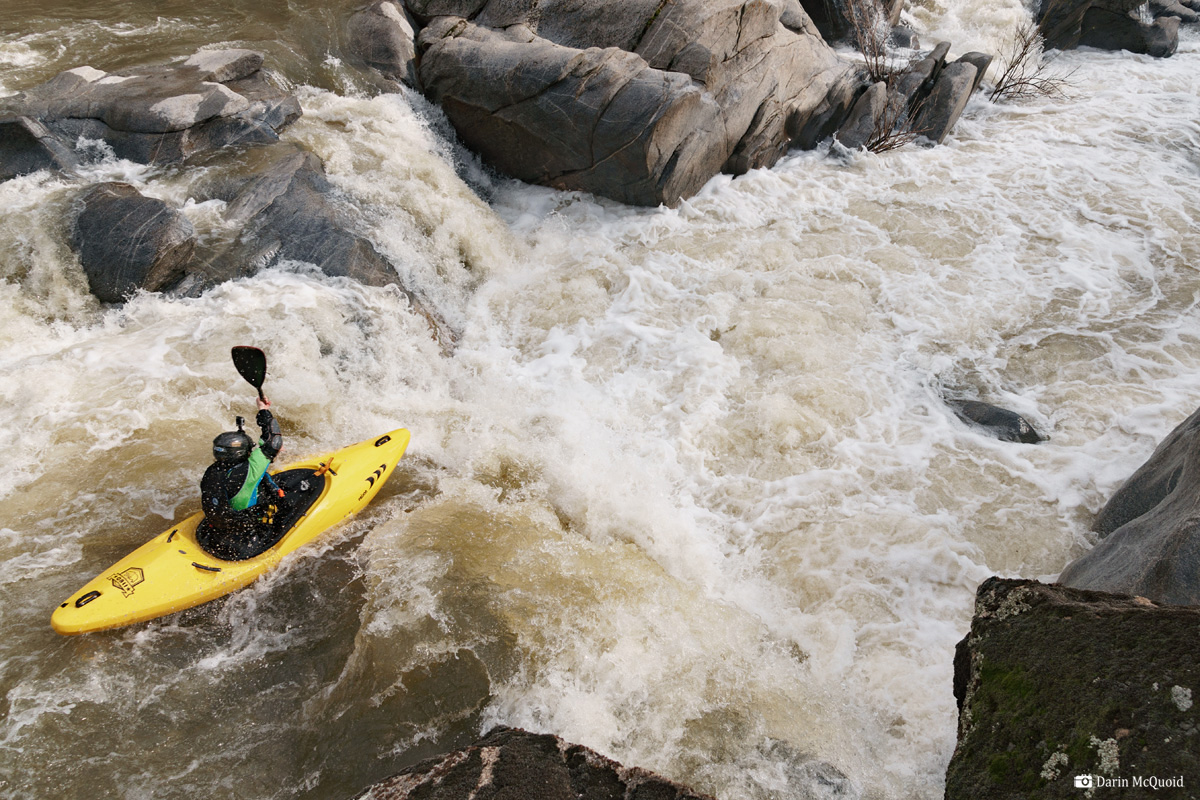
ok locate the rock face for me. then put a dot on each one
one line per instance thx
(1105, 24)
(128, 242)
(643, 106)
(151, 115)
(511, 764)
(1151, 527)
(1053, 683)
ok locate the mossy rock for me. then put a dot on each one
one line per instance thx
(1053, 683)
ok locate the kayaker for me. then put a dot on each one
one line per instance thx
(240, 500)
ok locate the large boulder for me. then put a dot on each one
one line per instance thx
(945, 101)
(127, 242)
(1152, 481)
(1151, 528)
(1054, 683)
(1106, 30)
(644, 105)
(158, 114)
(510, 763)
(863, 122)
(26, 146)
(383, 36)
(1105, 24)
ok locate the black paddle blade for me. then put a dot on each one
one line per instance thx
(251, 364)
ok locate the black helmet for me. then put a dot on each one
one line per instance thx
(232, 445)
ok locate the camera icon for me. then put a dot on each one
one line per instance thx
(1085, 782)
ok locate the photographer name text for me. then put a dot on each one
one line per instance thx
(1153, 783)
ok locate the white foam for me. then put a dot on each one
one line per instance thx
(699, 502)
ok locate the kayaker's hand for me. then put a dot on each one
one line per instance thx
(263, 403)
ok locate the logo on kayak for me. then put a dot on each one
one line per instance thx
(371, 480)
(127, 580)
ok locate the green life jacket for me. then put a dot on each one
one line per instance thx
(248, 496)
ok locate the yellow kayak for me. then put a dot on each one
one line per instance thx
(172, 571)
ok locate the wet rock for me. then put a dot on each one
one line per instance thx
(946, 101)
(904, 37)
(27, 146)
(981, 62)
(1104, 24)
(283, 207)
(1173, 8)
(1005, 425)
(127, 241)
(281, 204)
(512, 763)
(159, 114)
(1154, 480)
(864, 119)
(1151, 528)
(914, 83)
(1053, 682)
(642, 106)
(1108, 31)
(383, 36)
(824, 120)
(836, 20)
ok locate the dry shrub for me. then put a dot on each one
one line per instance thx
(1025, 69)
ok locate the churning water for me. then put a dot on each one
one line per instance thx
(685, 492)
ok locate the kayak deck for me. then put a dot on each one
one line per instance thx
(173, 572)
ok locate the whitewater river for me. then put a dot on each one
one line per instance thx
(686, 491)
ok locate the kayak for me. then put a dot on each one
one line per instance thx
(173, 571)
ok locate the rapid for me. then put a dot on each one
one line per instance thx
(686, 490)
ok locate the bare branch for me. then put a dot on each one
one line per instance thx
(870, 33)
(1024, 74)
(894, 127)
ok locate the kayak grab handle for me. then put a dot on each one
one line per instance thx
(204, 567)
(87, 598)
(382, 440)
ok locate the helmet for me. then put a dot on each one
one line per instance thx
(232, 446)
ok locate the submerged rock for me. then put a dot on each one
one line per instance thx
(281, 203)
(128, 242)
(159, 114)
(1053, 683)
(1005, 425)
(1151, 528)
(283, 207)
(510, 763)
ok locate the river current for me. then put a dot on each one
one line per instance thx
(686, 491)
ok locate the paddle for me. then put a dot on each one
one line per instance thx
(251, 364)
